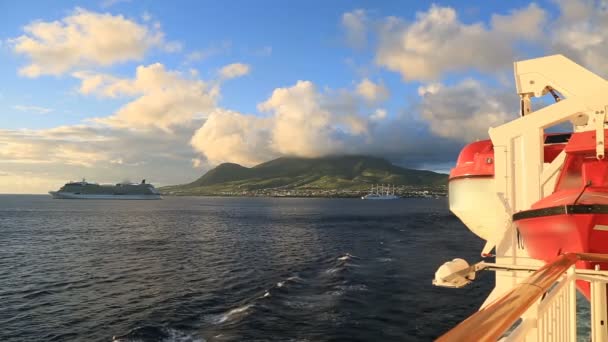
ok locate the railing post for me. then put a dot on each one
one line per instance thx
(599, 331)
(571, 277)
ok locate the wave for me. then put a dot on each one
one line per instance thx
(233, 313)
(157, 334)
(347, 256)
(385, 259)
(308, 291)
(295, 278)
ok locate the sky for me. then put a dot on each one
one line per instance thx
(116, 90)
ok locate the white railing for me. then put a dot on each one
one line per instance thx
(554, 318)
(540, 308)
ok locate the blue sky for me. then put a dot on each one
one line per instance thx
(283, 41)
(397, 89)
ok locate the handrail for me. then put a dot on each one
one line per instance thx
(490, 323)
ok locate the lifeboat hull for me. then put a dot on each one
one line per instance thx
(471, 185)
(549, 232)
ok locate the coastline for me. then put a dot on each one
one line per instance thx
(308, 193)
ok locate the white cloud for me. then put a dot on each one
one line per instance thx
(234, 70)
(355, 26)
(449, 109)
(31, 147)
(32, 109)
(302, 126)
(85, 39)
(372, 92)
(438, 42)
(302, 121)
(379, 114)
(521, 23)
(581, 33)
(164, 99)
(197, 162)
(50, 157)
(228, 136)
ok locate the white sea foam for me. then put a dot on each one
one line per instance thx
(346, 256)
(281, 283)
(167, 335)
(332, 270)
(232, 313)
(294, 278)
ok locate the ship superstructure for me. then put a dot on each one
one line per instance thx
(86, 190)
(541, 203)
(381, 192)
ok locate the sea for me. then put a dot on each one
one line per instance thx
(231, 269)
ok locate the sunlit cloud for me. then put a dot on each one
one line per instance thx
(84, 39)
(372, 92)
(437, 42)
(302, 120)
(234, 70)
(163, 99)
(102, 154)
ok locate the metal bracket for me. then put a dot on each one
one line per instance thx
(599, 119)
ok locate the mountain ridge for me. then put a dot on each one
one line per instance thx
(354, 173)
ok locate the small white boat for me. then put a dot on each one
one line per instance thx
(381, 193)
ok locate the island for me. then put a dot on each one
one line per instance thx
(333, 176)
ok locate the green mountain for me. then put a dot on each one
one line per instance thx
(290, 174)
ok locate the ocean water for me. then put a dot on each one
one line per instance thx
(230, 269)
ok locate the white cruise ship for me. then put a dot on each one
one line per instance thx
(381, 193)
(124, 191)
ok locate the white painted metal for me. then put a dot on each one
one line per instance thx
(554, 318)
(521, 178)
(69, 195)
(599, 319)
(572, 321)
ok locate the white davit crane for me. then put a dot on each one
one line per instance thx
(532, 300)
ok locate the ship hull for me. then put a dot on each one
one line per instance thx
(67, 195)
(380, 197)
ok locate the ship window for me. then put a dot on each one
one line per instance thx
(572, 176)
(557, 138)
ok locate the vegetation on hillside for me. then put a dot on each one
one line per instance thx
(352, 173)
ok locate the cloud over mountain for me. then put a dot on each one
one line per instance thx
(470, 104)
(302, 120)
